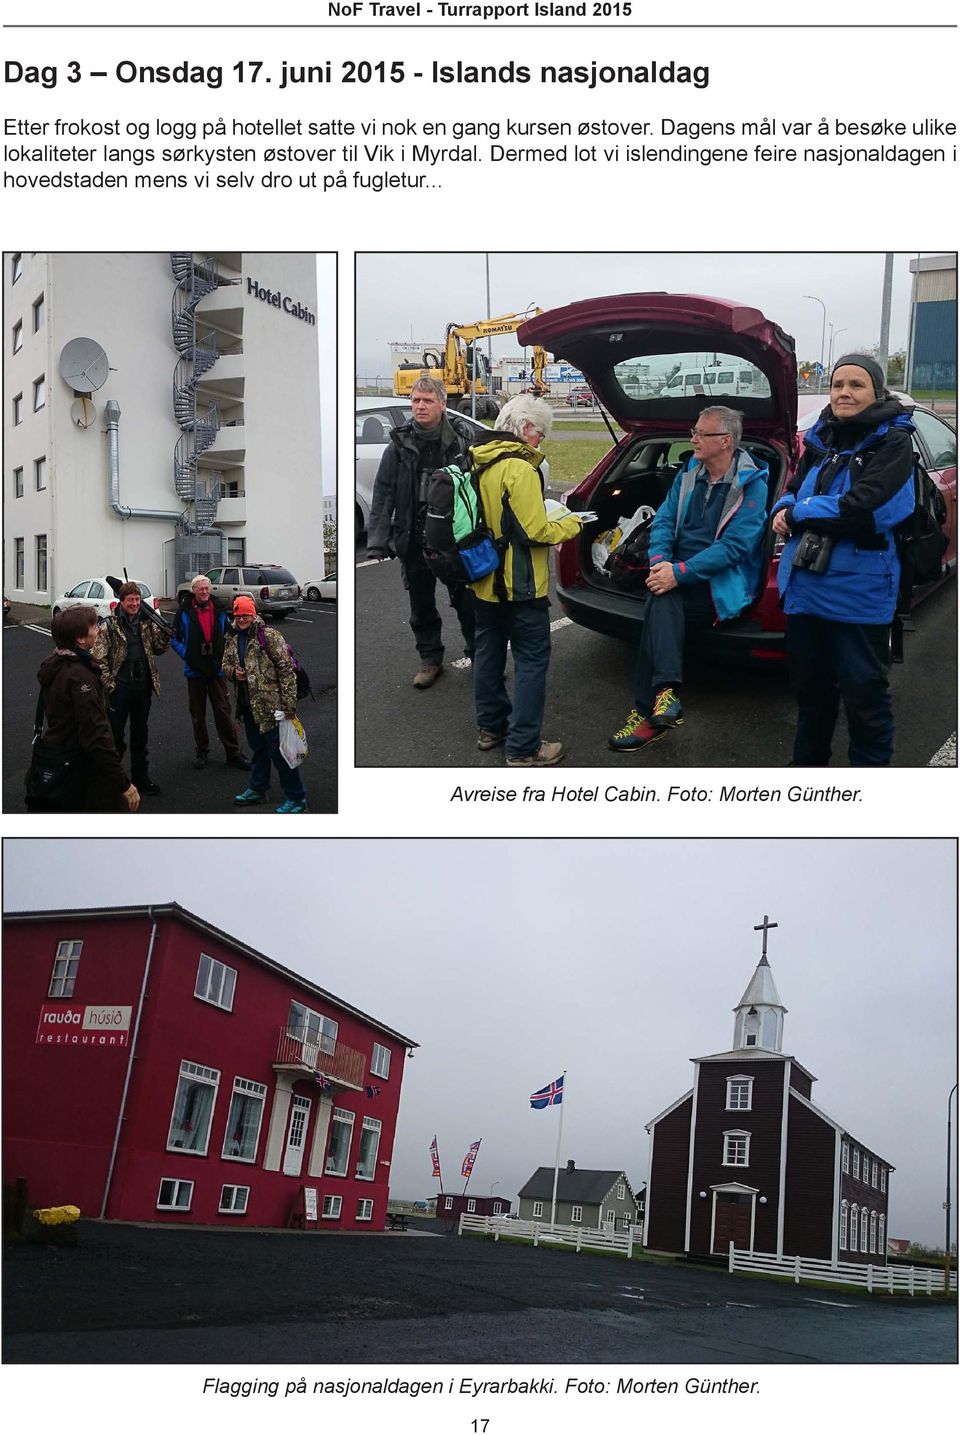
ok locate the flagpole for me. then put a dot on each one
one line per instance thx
(556, 1164)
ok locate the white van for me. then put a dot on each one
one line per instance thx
(715, 381)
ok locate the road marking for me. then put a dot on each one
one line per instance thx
(838, 1303)
(560, 623)
(34, 629)
(317, 612)
(369, 563)
(468, 662)
(625, 1295)
(945, 756)
(308, 621)
(742, 1305)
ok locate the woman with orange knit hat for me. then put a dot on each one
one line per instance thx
(256, 660)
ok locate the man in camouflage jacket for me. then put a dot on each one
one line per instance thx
(256, 661)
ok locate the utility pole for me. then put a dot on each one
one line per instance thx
(885, 314)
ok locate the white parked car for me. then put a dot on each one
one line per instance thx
(97, 593)
(321, 590)
(375, 420)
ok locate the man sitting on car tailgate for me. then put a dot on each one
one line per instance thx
(705, 555)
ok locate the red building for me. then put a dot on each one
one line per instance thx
(157, 1069)
(747, 1156)
(451, 1206)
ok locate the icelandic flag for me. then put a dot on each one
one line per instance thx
(551, 1095)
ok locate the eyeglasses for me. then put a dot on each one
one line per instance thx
(701, 433)
(243, 617)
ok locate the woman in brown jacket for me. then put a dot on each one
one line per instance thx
(76, 714)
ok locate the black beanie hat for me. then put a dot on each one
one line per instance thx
(864, 361)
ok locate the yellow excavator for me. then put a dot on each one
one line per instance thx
(463, 369)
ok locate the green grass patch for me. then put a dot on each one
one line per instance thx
(596, 425)
(572, 459)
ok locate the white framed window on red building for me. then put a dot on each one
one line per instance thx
(312, 1028)
(448, 1203)
(471, 1205)
(369, 1146)
(242, 1136)
(380, 1061)
(364, 1209)
(331, 1207)
(175, 1195)
(736, 1148)
(65, 965)
(233, 1200)
(844, 1217)
(341, 1135)
(216, 983)
(193, 1105)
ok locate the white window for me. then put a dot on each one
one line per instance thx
(736, 1148)
(497, 1207)
(621, 1191)
(215, 983)
(243, 1120)
(331, 1207)
(175, 1196)
(233, 1200)
(16, 267)
(39, 393)
(873, 1231)
(341, 1134)
(18, 409)
(856, 1162)
(65, 965)
(369, 1145)
(853, 1228)
(752, 1039)
(365, 1209)
(537, 1209)
(883, 1179)
(845, 1156)
(882, 1236)
(38, 314)
(448, 1203)
(311, 1028)
(863, 1229)
(41, 560)
(193, 1108)
(576, 1214)
(471, 1205)
(40, 474)
(380, 1062)
(844, 1217)
(18, 336)
(739, 1093)
(18, 483)
(873, 1174)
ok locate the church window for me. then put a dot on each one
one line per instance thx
(873, 1231)
(863, 1230)
(882, 1236)
(736, 1148)
(844, 1217)
(853, 1228)
(739, 1093)
(883, 1179)
(873, 1175)
(845, 1156)
(856, 1162)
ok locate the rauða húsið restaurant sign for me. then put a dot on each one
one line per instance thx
(69, 1025)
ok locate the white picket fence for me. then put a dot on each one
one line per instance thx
(909, 1280)
(580, 1238)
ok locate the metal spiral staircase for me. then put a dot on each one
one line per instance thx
(199, 422)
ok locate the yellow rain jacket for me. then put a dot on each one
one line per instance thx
(511, 492)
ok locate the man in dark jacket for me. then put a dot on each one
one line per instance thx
(199, 633)
(430, 441)
(127, 650)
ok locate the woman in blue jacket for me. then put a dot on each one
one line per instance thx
(839, 572)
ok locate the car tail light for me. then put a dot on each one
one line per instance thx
(113, 607)
(264, 592)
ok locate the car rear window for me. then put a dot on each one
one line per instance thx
(650, 378)
(274, 575)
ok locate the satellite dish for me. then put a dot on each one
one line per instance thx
(83, 365)
(82, 412)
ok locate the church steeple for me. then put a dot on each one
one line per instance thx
(759, 1013)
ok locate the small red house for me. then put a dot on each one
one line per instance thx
(747, 1156)
(157, 1069)
(450, 1206)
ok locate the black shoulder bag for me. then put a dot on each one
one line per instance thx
(56, 779)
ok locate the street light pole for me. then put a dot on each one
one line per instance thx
(833, 335)
(946, 1204)
(823, 333)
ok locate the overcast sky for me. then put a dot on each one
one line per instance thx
(404, 296)
(617, 960)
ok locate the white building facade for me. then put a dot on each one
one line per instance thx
(202, 443)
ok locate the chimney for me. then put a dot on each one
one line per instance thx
(571, 1166)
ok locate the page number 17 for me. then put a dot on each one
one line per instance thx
(479, 1427)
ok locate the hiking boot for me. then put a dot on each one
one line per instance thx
(249, 797)
(487, 740)
(148, 789)
(200, 760)
(292, 805)
(239, 761)
(667, 711)
(545, 756)
(637, 732)
(427, 675)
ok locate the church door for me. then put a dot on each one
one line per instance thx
(732, 1223)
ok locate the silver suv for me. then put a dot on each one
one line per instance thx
(274, 589)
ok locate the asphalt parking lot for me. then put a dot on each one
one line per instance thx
(313, 632)
(735, 716)
(136, 1294)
